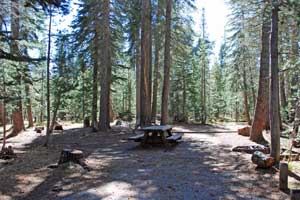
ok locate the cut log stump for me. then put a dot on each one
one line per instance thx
(262, 160)
(295, 194)
(283, 176)
(296, 143)
(244, 131)
(7, 153)
(39, 129)
(69, 155)
(73, 155)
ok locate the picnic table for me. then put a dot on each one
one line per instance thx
(156, 134)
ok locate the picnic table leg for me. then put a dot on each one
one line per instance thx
(163, 138)
(169, 132)
(145, 139)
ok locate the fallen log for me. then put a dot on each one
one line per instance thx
(262, 160)
(251, 149)
(245, 131)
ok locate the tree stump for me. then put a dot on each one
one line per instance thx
(295, 194)
(38, 129)
(7, 153)
(86, 122)
(262, 160)
(283, 176)
(69, 155)
(244, 131)
(58, 127)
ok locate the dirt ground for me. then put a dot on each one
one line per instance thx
(201, 166)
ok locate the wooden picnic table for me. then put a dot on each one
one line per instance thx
(156, 134)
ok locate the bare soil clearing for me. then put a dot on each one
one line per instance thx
(202, 166)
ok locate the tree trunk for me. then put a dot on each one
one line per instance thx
(145, 90)
(17, 117)
(138, 77)
(167, 65)
(104, 124)
(28, 106)
(245, 97)
(1, 113)
(95, 95)
(42, 100)
(3, 108)
(261, 114)
(48, 132)
(156, 62)
(56, 106)
(294, 76)
(274, 87)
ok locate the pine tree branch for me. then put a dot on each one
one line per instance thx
(9, 56)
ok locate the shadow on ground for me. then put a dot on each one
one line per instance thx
(197, 168)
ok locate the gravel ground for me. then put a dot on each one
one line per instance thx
(201, 166)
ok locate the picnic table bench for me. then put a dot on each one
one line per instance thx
(156, 134)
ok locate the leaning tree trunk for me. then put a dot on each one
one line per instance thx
(28, 106)
(167, 64)
(17, 117)
(145, 91)
(156, 63)
(261, 114)
(104, 124)
(274, 88)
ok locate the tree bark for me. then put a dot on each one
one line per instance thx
(261, 114)
(56, 106)
(95, 94)
(138, 77)
(106, 70)
(167, 65)
(274, 87)
(48, 132)
(145, 89)
(17, 117)
(28, 106)
(156, 62)
(245, 97)
(3, 114)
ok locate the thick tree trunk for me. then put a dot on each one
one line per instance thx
(294, 76)
(156, 62)
(95, 95)
(145, 90)
(261, 114)
(97, 56)
(104, 124)
(28, 106)
(17, 117)
(167, 65)
(274, 87)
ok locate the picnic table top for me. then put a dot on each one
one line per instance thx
(156, 128)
